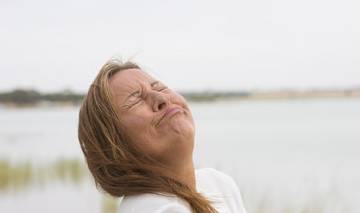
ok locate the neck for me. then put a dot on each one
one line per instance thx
(185, 173)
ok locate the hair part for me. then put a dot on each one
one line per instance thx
(118, 166)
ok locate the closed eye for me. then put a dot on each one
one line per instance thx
(158, 86)
(134, 101)
(162, 88)
(138, 96)
(135, 96)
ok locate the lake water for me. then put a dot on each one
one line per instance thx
(300, 155)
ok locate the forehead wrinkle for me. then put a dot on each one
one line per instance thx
(138, 80)
(122, 90)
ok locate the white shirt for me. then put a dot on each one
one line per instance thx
(212, 183)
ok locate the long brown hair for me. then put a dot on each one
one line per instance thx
(119, 167)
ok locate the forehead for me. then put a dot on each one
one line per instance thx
(125, 81)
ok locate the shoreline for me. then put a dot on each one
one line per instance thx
(208, 97)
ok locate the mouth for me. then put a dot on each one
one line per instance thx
(169, 113)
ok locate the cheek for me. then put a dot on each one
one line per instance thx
(134, 122)
(137, 127)
(184, 104)
(180, 100)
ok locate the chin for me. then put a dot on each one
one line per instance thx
(183, 129)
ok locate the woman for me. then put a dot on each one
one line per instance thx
(137, 136)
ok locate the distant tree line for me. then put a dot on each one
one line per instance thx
(28, 97)
(213, 95)
(31, 97)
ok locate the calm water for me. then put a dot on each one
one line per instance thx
(286, 156)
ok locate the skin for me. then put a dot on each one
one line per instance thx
(142, 101)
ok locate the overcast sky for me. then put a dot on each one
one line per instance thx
(188, 44)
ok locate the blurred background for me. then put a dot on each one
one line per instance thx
(274, 87)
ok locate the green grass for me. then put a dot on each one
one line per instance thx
(22, 175)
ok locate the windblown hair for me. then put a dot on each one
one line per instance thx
(118, 166)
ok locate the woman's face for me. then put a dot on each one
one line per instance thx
(155, 118)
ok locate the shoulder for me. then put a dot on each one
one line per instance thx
(213, 182)
(213, 172)
(153, 203)
(213, 176)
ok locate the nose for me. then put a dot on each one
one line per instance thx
(160, 101)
